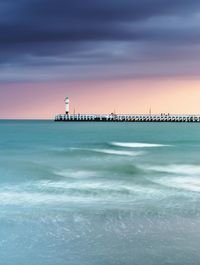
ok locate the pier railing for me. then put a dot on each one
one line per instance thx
(128, 117)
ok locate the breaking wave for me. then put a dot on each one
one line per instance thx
(75, 174)
(116, 152)
(177, 169)
(136, 145)
(110, 151)
(51, 192)
(185, 183)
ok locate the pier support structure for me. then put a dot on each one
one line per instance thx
(128, 118)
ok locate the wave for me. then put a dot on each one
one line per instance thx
(30, 198)
(75, 174)
(80, 186)
(110, 151)
(100, 190)
(82, 193)
(137, 145)
(177, 169)
(185, 183)
(116, 152)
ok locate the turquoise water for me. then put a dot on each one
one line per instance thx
(99, 193)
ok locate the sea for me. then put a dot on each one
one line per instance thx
(99, 193)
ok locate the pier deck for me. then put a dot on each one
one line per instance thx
(127, 118)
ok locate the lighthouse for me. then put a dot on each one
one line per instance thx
(67, 105)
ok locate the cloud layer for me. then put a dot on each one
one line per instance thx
(93, 39)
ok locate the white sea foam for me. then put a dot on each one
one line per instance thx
(136, 145)
(110, 151)
(101, 190)
(185, 183)
(18, 198)
(117, 152)
(58, 192)
(178, 169)
(76, 174)
(113, 194)
(73, 185)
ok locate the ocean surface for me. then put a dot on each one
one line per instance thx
(99, 193)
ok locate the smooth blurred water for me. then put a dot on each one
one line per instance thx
(99, 193)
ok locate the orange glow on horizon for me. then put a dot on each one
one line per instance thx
(44, 100)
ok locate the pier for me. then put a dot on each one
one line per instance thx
(126, 118)
(67, 117)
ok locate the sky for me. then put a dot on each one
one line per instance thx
(106, 55)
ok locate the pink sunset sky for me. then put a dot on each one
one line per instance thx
(44, 100)
(105, 55)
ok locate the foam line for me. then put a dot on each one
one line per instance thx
(137, 145)
(177, 169)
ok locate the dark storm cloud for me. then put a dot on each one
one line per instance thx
(65, 33)
(35, 21)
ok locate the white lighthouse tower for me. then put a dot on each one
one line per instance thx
(67, 105)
